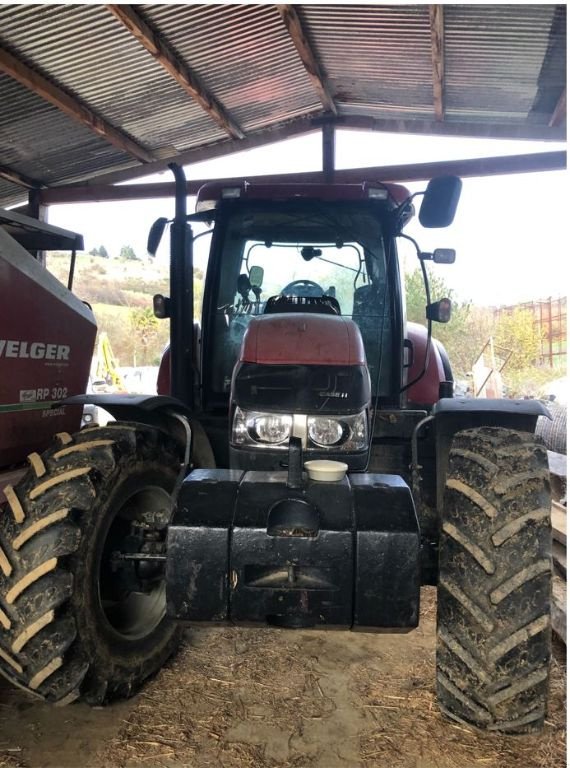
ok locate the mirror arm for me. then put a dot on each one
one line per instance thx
(400, 210)
(429, 322)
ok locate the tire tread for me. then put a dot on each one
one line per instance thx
(494, 636)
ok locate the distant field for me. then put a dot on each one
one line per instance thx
(118, 290)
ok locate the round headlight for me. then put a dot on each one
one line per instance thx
(324, 431)
(87, 418)
(271, 428)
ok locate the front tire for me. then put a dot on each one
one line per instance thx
(76, 619)
(493, 634)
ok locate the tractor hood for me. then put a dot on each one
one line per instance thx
(302, 363)
(302, 339)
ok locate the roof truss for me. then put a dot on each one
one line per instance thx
(295, 28)
(9, 174)
(175, 67)
(559, 114)
(437, 59)
(72, 107)
(306, 125)
(485, 166)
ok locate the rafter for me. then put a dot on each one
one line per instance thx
(14, 177)
(437, 59)
(294, 27)
(183, 75)
(559, 114)
(72, 107)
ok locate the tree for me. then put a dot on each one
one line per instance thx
(100, 251)
(128, 253)
(518, 332)
(469, 327)
(145, 327)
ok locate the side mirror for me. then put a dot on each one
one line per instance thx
(256, 277)
(440, 202)
(161, 306)
(155, 235)
(439, 311)
(444, 256)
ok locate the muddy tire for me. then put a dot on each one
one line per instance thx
(493, 615)
(73, 623)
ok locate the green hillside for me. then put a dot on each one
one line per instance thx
(120, 293)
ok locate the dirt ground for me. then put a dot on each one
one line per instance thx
(269, 699)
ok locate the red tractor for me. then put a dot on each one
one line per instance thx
(305, 465)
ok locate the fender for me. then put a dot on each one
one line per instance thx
(165, 413)
(425, 392)
(163, 380)
(147, 409)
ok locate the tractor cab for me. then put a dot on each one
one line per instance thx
(309, 249)
(297, 265)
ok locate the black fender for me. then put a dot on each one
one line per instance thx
(160, 411)
(451, 415)
(154, 410)
(165, 413)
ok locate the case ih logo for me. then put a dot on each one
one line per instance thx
(36, 350)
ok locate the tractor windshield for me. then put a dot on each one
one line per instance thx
(299, 248)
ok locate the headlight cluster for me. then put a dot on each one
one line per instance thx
(264, 428)
(346, 433)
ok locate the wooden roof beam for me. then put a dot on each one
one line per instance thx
(14, 177)
(436, 24)
(559, 114)
(294, 27)
(72, 107)
(473, 167)
(184, 76)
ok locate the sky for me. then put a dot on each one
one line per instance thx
(510, 232)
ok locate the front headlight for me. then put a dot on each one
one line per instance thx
(271, 428)
(324, 431)
(347, 433)
(265, 428)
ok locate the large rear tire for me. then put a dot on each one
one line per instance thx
(493, 634)
(76, 620)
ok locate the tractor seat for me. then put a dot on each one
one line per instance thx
(323, 305)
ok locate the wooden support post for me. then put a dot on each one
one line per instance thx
(328, 133)
(37, 211)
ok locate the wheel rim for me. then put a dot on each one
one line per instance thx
(132, 613)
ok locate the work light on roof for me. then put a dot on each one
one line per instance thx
(231, 192)
(377, 193)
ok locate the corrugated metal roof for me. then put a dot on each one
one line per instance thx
(377, 58)
(493, 59)
(505, 70)
(84, 48)
(244, 55)
(40, 142)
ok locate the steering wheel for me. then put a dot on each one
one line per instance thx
(302, 288)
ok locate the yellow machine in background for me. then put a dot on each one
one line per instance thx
(106, 366)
